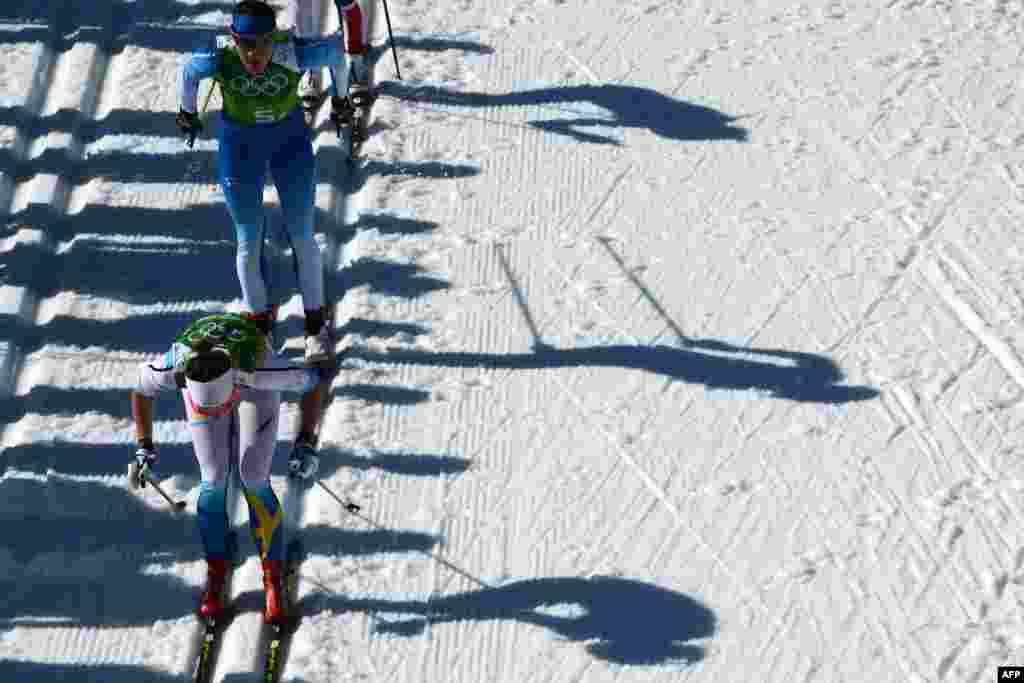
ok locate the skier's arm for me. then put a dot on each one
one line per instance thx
(142, 412)
(293, 379)
(310, 407)
(204, 63)
(312, 53)
(304, 14)
(151, 381)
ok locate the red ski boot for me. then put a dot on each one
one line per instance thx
(273, 585)
(212, 605)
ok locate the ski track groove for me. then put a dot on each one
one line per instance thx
(60, 83)
(48, 96)
(659, 493)
(829, 483)
(656, 490)
(44, 59)
(923, 238)
(922, 233)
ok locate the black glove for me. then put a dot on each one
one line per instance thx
(141, 466)
(342, 113)
(326, 370)
(189, 124)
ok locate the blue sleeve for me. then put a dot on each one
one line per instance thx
(312, 53)
(204, 63)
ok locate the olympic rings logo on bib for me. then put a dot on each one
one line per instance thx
(262, 85)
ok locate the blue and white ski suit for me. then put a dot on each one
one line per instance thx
(262, 126)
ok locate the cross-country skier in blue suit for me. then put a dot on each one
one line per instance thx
(258, 69)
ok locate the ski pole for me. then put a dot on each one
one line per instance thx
(206, 103)
(209, 94)
(391, 38)
(354, 509)
(177, 505)
(348, 505)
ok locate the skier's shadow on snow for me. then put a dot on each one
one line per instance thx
(389, 278)
(134, 273)
(67, 21)
(86, 564)
(620, 620)
(39, 672)
(332, 157)
(117, 165)
(196, 265)
(592, 106)
(793, 375)
(75, 458)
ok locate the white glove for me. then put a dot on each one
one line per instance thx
(303, 463)
(140, 468)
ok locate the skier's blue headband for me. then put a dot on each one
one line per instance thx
(249, 26)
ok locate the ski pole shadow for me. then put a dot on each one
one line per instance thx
(401, 463)
(620, 620)
(441, 42)
(792, 375)
(580, 107)
(327, 540)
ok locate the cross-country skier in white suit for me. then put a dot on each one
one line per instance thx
(231, 382)
(305, 15)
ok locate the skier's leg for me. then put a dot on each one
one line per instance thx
(293, 168)
(242, 163)
(258, 416)
(211, 439)
(356, 27)
(306, 16)
(356, 30)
